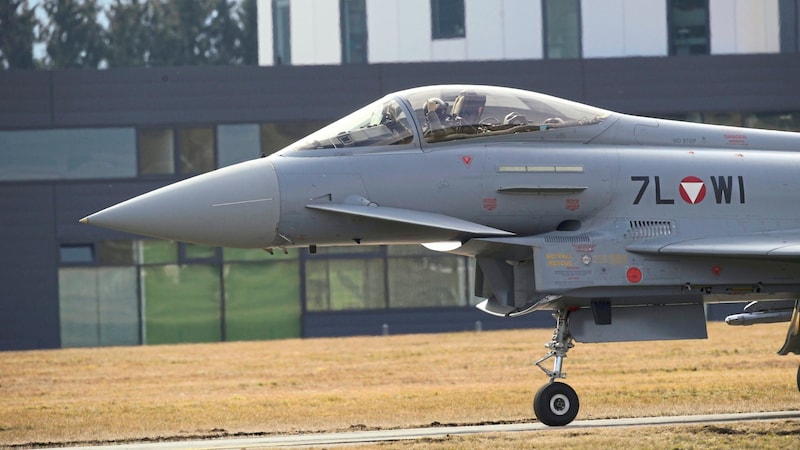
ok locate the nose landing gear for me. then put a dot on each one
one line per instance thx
(556, 403)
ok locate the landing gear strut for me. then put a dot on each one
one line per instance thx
(556, 403)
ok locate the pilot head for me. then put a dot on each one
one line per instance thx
(437, 106)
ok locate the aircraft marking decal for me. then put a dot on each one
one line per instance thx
(693, 190)
(466, 159)
(634, 274)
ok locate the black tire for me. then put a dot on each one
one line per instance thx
(556, 404)
(798, 378)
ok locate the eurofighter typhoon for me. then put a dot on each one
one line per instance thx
(622, 226)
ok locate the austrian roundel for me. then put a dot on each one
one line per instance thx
(693, 190)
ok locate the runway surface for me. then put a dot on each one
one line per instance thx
(364, 437)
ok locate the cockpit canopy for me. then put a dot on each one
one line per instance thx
(447, 112)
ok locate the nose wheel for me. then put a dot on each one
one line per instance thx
(556, 404)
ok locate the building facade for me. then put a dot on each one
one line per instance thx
(75, 141)
(324, 32)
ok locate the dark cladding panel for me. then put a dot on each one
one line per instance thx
(678, 84)
(561, 78)
(28, 269)
(209, 94)
(24, 99)
(414, 320)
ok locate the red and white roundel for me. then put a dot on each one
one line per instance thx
(693, 190)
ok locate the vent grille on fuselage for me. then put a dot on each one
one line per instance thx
(581, 238)
(642, 229)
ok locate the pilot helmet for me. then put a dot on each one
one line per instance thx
(437, 105)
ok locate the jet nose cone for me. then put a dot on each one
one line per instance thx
(237, 206)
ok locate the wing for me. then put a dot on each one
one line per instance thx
(772, 244)
(412, 217)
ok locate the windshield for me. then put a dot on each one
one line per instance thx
(461, 112)
(449, 112)
(383, 122)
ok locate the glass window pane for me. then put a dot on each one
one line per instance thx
(98, 306)
(251, 254)
(77, 307)
(688, 27)
(774, 121)
(730, 119)
(156, 151)
(192, 251)
(156, 252)
(67, 154)
(427, 281)
(281, 32)
(76, 254)
(354, 31)
(181, 303)
(118, 305)
(115, 252)
(262, 300)
(562, 24)
(196, 150)
(447, 19)
(237, 143)
(345, 284)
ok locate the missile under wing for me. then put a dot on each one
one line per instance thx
(623, 226)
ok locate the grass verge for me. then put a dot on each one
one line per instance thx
(130, 393)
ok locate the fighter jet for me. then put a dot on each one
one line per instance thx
(622, 226)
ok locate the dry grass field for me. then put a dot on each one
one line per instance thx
(129, 393)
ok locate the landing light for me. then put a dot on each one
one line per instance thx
(444, 246)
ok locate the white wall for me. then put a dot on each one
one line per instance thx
(523, 34)
(613, 28)
(504, 29)
(744, 26)
(400, 30)
(316, 35)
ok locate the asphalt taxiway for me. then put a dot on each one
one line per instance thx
(365, 437)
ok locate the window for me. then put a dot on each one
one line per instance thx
(447, 19)
(788, 16)
(421, 278)
(562, 25)
(688, 27)
(237, 143)
(353, 16)
(76, 253)
(262, 299)
(345, 283)
(196, 150)
(181, 303)
(68, 154)
(98, 306)
(157, 150)
(156, 154)
(281, 32)
(786, 121)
